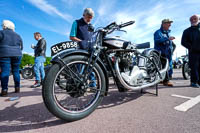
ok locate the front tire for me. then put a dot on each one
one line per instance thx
(65, 96)
(27, 73)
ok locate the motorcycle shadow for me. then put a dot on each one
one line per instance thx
(115, 98)
(26, 118)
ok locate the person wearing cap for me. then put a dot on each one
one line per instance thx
(163, 43)
(11, 46)
(191, 41)
(80, 33)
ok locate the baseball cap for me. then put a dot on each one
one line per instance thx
(167, 21)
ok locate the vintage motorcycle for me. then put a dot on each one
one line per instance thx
(66, 89)
(28, 71)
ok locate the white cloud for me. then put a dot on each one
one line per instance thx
(71, 3)
(50, 9)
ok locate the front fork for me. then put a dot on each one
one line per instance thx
(92, 60)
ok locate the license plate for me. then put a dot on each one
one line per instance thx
(59, 47)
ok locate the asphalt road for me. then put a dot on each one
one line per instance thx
(130, 112)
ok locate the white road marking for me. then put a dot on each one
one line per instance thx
(188, 104)
(174, 95)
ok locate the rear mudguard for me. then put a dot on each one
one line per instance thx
(148, 51)
(57, 58)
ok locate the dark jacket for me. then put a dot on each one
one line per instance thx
(83, 33)
(191, 39)
(162, 42)
(10, 43)
(40, 48)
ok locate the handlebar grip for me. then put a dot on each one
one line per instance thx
(126, 24)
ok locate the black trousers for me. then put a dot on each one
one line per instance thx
(194, 62)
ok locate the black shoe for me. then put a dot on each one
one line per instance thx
(194, 85)
(42, 82)
(4, 93)
(17, 90)
(37, 84)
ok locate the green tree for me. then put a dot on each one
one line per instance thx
(27, 60)
(48, 59)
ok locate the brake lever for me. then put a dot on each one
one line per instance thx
(123, 31)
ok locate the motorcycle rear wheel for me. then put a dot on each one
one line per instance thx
(186, 71)
(65, 96)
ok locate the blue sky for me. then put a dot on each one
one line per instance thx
(53, 18)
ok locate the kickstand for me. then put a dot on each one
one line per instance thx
(142, 91)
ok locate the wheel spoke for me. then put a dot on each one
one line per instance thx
(70, 92)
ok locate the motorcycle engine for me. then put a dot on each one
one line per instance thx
(130, 72)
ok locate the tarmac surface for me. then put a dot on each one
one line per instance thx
(129, 112)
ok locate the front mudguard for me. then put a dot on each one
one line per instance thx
(58, 59)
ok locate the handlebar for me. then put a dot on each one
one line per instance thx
(126, 24)
(111, 27)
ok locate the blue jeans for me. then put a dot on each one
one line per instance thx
(170, 71)
(39, 67)
(91, 76)
(6, 63)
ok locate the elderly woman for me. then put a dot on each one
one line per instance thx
(10, 55)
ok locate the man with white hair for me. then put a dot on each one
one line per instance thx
(10, 55)
(191, 41)
(80, 33)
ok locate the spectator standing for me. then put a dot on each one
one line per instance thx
(80, 33)
(191, 41)
(11, 46)
(40, 54)
(163, 43)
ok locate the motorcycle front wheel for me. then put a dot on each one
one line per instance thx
(64, 93)
(27, 73)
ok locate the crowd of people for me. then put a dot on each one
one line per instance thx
(11, 46)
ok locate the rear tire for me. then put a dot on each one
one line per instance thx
(64, 109)
(186, 71)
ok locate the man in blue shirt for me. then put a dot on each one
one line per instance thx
(80, 33)
(163, 43)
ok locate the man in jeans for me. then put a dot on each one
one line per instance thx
(79, 32)
(163, 43)
(39, 52)
(10, 56)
